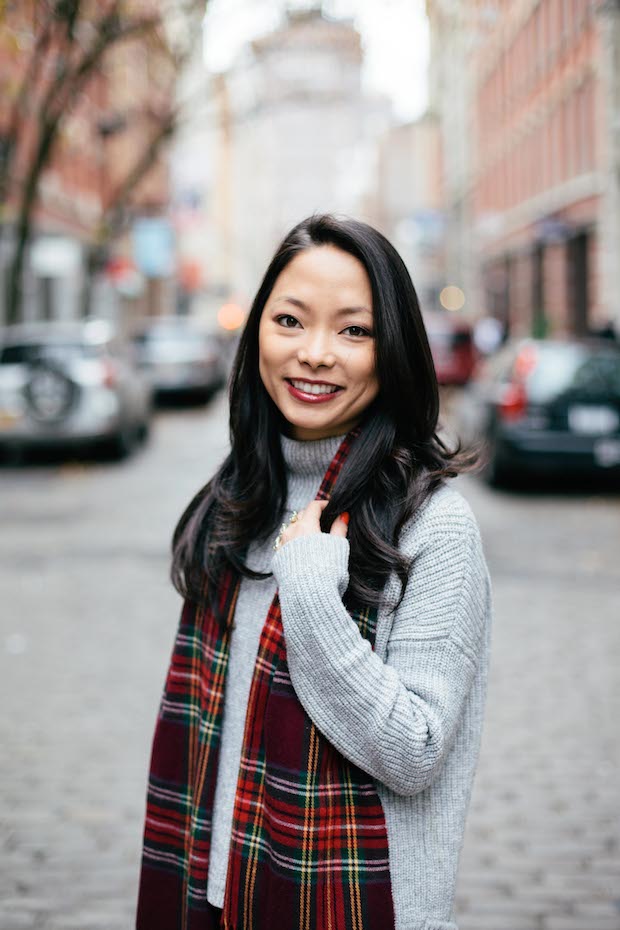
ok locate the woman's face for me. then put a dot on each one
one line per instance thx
(316, 343)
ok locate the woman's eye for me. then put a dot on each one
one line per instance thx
(289, 322)
(357, 331)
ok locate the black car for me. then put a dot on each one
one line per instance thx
(546, 406)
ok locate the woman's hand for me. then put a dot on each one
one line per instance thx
(307, 523)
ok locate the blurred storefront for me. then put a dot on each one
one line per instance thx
(538, 191)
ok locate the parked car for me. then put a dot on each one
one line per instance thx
(64, 384)
(179, 356)
(546, 406)
(452, 347)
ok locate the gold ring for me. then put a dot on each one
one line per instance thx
(278, 541)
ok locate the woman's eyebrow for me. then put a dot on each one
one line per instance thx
(303, 306)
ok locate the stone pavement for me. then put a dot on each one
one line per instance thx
(542, 848)
(88, 621)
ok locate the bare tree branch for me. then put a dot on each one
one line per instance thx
(68, 51)
(29, 81)
(110, 32)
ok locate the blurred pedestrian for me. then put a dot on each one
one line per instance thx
(316, 744)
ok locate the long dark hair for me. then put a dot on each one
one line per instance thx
(396, 462)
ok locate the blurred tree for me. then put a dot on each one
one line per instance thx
(58, 49)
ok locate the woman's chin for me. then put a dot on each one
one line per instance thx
(300, 428)
(314, 422)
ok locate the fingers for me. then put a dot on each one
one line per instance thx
(314, 509)
(340, 525)
(308, 521)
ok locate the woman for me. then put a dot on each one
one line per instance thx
(315, 748)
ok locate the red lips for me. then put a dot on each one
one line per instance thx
(312, 398)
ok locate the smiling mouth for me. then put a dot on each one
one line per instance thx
(314, 387)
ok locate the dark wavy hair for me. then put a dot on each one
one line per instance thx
(396, 462)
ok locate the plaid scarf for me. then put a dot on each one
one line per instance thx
(309, 846)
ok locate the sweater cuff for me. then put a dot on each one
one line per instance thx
(319, 559)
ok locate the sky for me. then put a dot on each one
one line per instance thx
(394, 35)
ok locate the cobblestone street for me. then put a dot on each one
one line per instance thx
(88, 623)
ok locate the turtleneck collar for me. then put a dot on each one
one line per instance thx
(309, 458)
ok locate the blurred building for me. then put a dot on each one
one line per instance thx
(107, 128)
(453, 41)
(190, 172)
(534, 113)
(292, 134)
(408, 204)
(140, 82)
(68, 203)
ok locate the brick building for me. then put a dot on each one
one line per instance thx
(539, 189)
(104, 130)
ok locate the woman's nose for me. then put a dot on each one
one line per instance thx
(315, 350)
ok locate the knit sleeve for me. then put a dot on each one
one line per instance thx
(395, 719)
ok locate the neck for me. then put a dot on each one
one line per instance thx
(310, 457)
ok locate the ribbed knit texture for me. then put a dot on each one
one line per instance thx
(409, 713)
(306, 464)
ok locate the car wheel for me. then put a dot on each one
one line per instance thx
(12, 454)
(50, 394)
(143, 432)
(121, 444)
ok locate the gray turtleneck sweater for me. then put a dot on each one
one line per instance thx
(408, 713)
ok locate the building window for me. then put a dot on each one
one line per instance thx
(530, 53)
(556, 25)
(548, 39)
(582, 133)
(562, 160)
(591, 123)
(539, 41)
(571, 146)
(567, 18)
(578, 15)
(540, 145)
(510, 73)
(548, 156)
(555, 147)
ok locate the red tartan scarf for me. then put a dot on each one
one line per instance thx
(309, 845)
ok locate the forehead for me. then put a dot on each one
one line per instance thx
(324, 272)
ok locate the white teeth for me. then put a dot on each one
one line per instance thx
(308, 388)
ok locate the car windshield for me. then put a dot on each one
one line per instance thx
(172, 342)
(574, 368)
(31, 352)
(179, 334)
